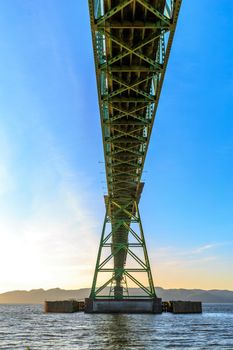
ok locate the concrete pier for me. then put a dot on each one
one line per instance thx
(182, 307)
(64, 306)
(186, 307)
(127, 306)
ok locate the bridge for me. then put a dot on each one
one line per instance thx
(132, 40)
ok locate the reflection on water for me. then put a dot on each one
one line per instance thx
(23, 326)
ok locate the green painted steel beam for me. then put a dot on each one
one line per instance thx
(132, 99)
(111, 123)
(125, 163)
(124, 270)
(153, 10)
(133, 25)
(129, 69)
(132, 43)
(113, 11)
(122, 149)
(120, 173)
(133, 50)
(131, 87)
(129, 113)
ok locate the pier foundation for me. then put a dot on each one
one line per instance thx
(63, 306)
(128, 306)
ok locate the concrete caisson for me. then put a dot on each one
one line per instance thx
(127, 306)
(63, 306)
(186, 307)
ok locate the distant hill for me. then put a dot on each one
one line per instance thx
(38, 296)
(206, 296)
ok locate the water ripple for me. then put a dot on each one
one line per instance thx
(23, 326)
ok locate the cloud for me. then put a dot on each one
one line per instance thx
(185, 257)
(203, 248)
(188, 253)
(191, 261)
(55, 246)
(205, 266)
(207, 247)
(6, 179)
(49, 214)
(55, 242)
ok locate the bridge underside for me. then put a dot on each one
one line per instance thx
(132, 41)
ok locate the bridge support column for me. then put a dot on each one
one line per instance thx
(123, 270)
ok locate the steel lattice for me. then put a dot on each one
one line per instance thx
(131, 41)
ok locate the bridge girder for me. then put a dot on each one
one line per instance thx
(132, 41)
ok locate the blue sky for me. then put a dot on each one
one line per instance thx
(51, 171)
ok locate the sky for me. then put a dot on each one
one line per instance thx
(52, 176)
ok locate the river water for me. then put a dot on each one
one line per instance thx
(23, 326)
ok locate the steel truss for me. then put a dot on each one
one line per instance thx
(122, 217)
(132, 41)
